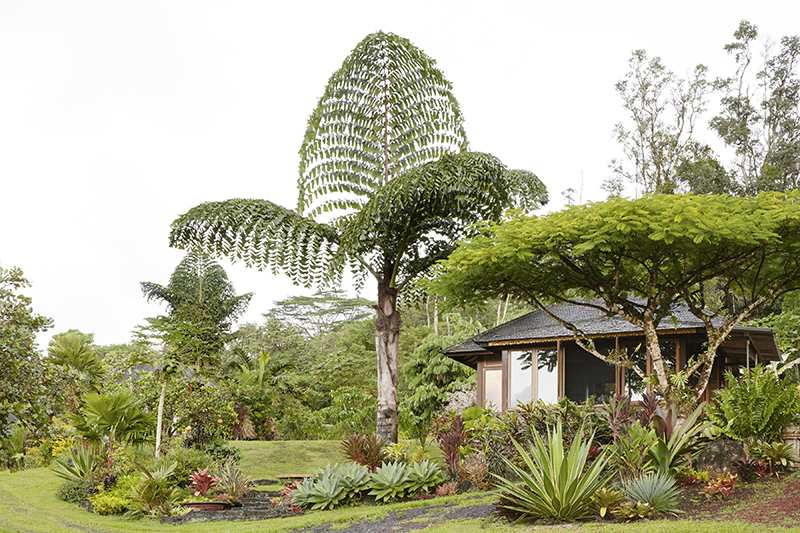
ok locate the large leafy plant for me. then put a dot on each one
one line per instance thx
(754, 406)
(678, 440)
(78, 463)
(555, 484)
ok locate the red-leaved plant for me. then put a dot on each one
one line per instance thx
(202, 482)
(366, 451)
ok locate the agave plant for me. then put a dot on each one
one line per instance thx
(424, 476)
(657, 489)
(354, 477)
(390, 481)
(556, 485)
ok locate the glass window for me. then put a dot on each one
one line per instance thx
(548, 375)
(493, 389)
(634, 384)
(586, 376)
(520, 367)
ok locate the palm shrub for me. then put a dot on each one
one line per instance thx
(554, 484)
(656, 489)
(154, 495)
(754, 406)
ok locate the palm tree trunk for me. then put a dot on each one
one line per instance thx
(387, 340)
(160, 415)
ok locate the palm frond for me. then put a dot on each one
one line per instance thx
(388, 109)
(263, 235)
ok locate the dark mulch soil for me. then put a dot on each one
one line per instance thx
(412, 519)
(774, 501)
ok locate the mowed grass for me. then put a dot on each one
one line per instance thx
(28, 504)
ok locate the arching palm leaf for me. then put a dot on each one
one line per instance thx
(388, 109)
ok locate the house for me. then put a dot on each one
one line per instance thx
(534, 357)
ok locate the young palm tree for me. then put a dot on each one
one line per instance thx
(202, 305)
(385, 158)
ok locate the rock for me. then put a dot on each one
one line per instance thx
(719, 456)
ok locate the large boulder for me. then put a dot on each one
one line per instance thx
(720, 455)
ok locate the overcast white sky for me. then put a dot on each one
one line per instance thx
(116, 117)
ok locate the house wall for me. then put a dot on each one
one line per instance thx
(514, 375)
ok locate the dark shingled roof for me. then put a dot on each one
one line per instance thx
(591, 321)
(594, 323)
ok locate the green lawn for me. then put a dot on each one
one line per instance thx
(28, 503)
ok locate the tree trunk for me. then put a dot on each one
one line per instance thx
(387, 339)
(160, 415)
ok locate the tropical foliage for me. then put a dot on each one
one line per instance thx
(555, 484)
(755, 405)
(385, 154)
(30, 391)
(640, 259)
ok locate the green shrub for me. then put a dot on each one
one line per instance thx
(74, 490)
(116, 500)
(221, 452)
(186, 460)
(656, 489)
(554, 485)
(755, 406)
(522, 424)
(630, 452)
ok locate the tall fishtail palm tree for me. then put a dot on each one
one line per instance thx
(385, 159)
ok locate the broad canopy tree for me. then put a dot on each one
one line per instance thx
(638, 259)
(385, 159)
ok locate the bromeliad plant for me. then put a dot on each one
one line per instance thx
(232, 481)
(554, 484)
(202, 482)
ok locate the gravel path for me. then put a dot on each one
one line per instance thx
(411, 519)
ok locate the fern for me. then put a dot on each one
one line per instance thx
(755, 406)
